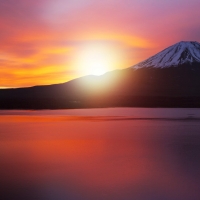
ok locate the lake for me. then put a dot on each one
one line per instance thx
(100, 154)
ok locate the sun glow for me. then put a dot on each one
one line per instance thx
(97, 59)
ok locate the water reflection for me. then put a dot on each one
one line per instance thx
(53, 159)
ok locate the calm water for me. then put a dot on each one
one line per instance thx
(100, 154)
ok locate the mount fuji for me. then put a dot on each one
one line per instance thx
(170, 78)
(175, 55)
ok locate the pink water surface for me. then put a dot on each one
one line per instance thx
(76, 157)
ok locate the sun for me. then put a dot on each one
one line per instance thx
(96, 58)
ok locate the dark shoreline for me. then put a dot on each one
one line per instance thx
(97, 102)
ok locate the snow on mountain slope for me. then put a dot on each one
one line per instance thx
(177, 54)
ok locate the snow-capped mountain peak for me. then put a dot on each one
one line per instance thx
(175, 55)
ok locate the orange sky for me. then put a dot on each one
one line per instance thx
(48, 41)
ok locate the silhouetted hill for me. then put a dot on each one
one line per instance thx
(154, 86)
(148, 87)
